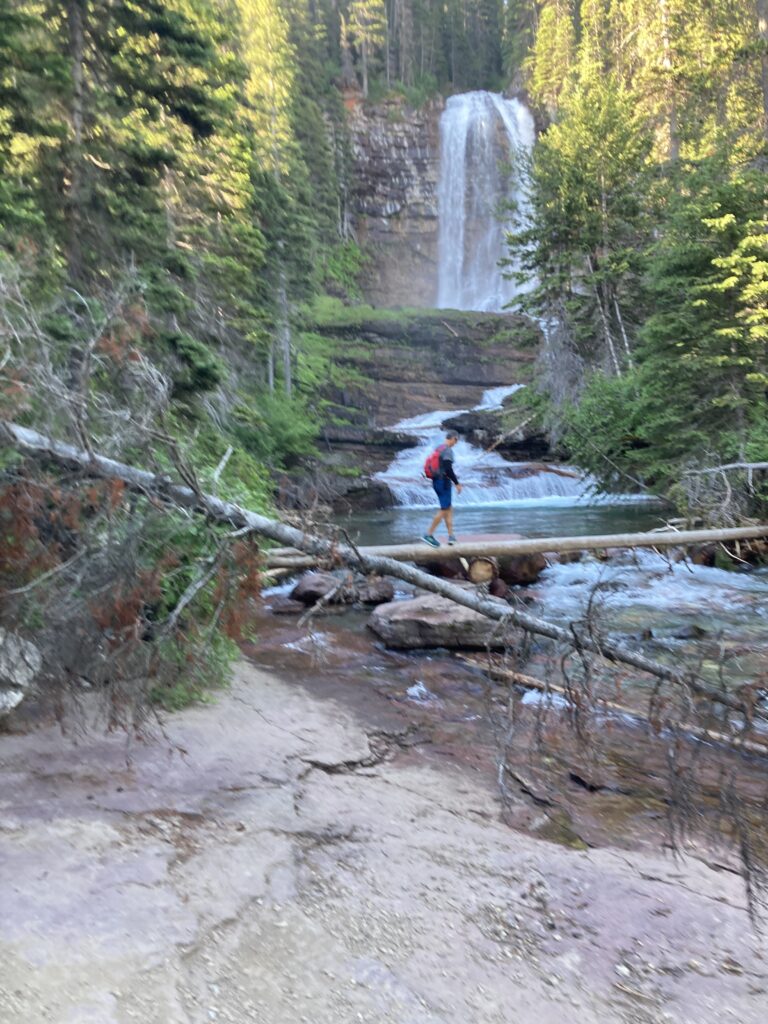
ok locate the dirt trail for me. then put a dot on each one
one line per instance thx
(288, 867)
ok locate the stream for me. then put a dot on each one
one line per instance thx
(671, 608)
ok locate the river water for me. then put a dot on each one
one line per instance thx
(671, 608)
(674, 609)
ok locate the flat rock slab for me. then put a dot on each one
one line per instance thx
(260, 863)
(432, 621)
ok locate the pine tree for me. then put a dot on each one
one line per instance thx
(553, 55)
(368, 27)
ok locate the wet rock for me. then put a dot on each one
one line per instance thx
(486, 428)
(703, 554)
(692, 632)
(431, 621)
(376, 591)
(20, 662)
(498, 588)
(396, 154)
(567, 557)
(479, 426)
(324, 487)
(285, 606)
(521, 569)
(317, 585)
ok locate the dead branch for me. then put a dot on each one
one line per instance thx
(726, 468)
(526, 682)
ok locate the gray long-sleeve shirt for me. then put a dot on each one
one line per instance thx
(446, 464)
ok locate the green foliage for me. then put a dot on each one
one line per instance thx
(704, 348)
(201, 370)
(275, 429)
(193, 671)
(647, 246)
(604, 432)
(343, 265)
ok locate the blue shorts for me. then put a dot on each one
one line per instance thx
(442, 487)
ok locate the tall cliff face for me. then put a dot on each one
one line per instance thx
(393, 197)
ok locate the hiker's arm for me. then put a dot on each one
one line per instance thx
(450, 473)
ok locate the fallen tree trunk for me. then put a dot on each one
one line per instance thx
(31, 442)
(292, 558)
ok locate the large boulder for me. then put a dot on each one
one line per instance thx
(20, 662)
(432, 621)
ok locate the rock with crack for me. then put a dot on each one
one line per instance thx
(20, 662)
(432, 621)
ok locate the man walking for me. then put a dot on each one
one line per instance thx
(442, 480)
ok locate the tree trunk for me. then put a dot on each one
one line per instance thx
(604, 321)
(672, 117)
(762, 29)
(75, 17)
(284, 332)
(482, 570)
(501, 548)
(271, 366)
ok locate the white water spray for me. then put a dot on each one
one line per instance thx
(485, 141)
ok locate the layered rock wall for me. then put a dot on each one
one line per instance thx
(396, 153)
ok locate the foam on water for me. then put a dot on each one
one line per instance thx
(645, 580)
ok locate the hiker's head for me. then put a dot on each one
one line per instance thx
(451, 438)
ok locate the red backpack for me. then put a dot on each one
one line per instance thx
(432, 463)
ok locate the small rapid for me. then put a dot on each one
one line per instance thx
(486, 477)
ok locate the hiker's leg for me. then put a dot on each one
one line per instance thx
(449, 520)
(436, 522)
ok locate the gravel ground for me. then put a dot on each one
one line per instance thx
(269, 861)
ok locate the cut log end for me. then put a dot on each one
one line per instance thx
(483, 570)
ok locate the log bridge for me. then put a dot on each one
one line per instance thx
(506, 547)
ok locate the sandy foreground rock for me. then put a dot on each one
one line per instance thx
(268, 861)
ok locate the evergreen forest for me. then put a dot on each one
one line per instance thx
(648, 243)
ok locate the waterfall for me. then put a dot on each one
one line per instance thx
(484, 140)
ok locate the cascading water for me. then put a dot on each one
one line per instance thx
(487, 478)
(484, 140)
(484, 143)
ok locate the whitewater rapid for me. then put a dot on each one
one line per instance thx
(486, 477)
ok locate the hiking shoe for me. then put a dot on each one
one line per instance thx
(451, 539)
(432, 541)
